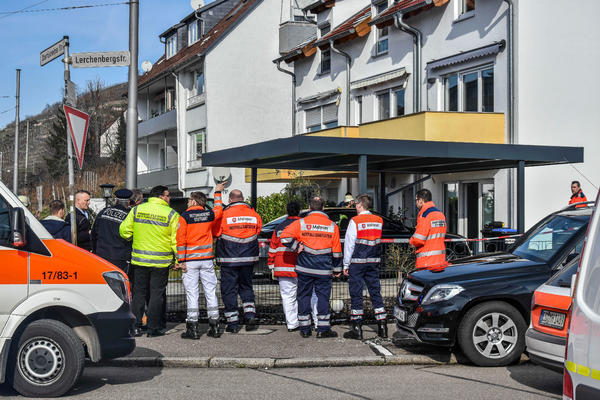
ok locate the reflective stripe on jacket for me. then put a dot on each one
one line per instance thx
(282, 260)
(429, 237)
(195, 232)
(238, 235)
(320, 238)
(578, 197)
(153, 228)
(365, 244)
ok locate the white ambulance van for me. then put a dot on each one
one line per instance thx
(581, 375)
(58, 305)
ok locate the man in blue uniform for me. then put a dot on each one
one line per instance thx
(106, 240)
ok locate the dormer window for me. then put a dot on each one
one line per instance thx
(324, 29)
(171, 46)
(193, 32)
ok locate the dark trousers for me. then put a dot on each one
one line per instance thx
(322, 287)
(122, 264)
(234, 281)
(369, 273)
(153, 282)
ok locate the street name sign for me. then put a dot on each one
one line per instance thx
(52, 52)
(77, 122)
(101, 59)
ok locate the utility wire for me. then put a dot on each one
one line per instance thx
(8, 14)
(70, 8)
(5, 111)
(582, 174)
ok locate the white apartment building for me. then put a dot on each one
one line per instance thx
(397, 65)
(215, 87)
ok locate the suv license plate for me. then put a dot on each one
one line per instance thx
(400, 314)
(553, 319)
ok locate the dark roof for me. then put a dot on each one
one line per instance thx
(202, 45)
(319, 5)
(405, 6)
(347, 27)
(387, 155)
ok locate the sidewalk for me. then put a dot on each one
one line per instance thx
(272, 346)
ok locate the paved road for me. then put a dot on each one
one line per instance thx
(521, 382)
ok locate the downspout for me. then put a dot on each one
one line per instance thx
(293, 75)
(417, 39)
(181, 157)
(348, 62)
(511, 98)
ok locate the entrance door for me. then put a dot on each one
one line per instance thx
(13, 268)
(471, 208)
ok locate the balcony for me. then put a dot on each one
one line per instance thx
(167, 177)
(161, 123)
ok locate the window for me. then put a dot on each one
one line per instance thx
(383, 105)
(171, 100)
(324, 29)
(197, 145)
(199, 83)
(466, 6)
(171, 46)
(390, 103)
(325, 61)
(323, 117)
(193, 32)
(4, 221)
(359, 110)
(471, 91)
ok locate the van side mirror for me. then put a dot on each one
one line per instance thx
(18, 228)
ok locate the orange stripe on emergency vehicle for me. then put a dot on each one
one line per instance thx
(13, 267)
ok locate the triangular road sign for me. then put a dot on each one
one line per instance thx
(78, 126)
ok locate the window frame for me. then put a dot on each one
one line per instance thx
(196, 24)
(460, 88)
(171, 46)
(325, 61)
(195, 159)
(392, 99)
(323, 125)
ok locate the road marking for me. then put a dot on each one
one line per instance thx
(378, 349)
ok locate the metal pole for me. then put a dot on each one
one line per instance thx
(253, 188)
(521, 197)
(1, 165)
(362, 174)
(26, 151)
(382, 198)
(132, 97)
(16, 154)
(70, 149)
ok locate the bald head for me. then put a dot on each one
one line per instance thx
(235, 195)
(316, 204)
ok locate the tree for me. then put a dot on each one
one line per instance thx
(57, 145)
(119, 150)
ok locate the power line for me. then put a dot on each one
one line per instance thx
(70, 8)
(5, 111)
(8, 14)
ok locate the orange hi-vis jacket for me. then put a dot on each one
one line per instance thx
(195, 232)
(282, 260)
(429, 237)
(367, 248)
(238, 231)
(578, 197)
(320, 237)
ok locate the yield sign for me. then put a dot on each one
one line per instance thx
(78, 126)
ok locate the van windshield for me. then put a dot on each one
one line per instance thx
(550, 238)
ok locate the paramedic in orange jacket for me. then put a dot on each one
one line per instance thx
(430, 233)
(195, 256)
(577, 195)
(236, 254)
(317, 238)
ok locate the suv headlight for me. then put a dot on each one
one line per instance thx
(117, 283)
(441, 292)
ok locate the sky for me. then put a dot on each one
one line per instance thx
(25, 35)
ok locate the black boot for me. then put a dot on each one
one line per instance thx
(382, 331)
(251, 324)
(355, 331)
(191, 330)
(213, 328)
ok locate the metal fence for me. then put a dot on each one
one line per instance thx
(397, 260)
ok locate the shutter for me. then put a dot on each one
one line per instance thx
(313, 116)
(330, 113)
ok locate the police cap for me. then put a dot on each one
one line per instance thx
(123, 194)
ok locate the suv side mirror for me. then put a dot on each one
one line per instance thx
(18, 228)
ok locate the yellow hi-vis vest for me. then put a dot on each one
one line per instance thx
(153, 227)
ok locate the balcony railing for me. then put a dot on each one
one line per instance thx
(163, 122)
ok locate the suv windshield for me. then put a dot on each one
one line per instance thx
(549, 238)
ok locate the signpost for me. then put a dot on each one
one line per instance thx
(77, 121)
(52, 52)
(101, 59)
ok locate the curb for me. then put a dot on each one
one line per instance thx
(266, 363)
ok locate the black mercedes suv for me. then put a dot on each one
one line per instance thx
(483, 303)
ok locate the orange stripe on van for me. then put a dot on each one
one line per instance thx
(13, 267)
(553, 300)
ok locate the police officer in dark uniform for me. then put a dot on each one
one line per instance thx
(106, 240)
